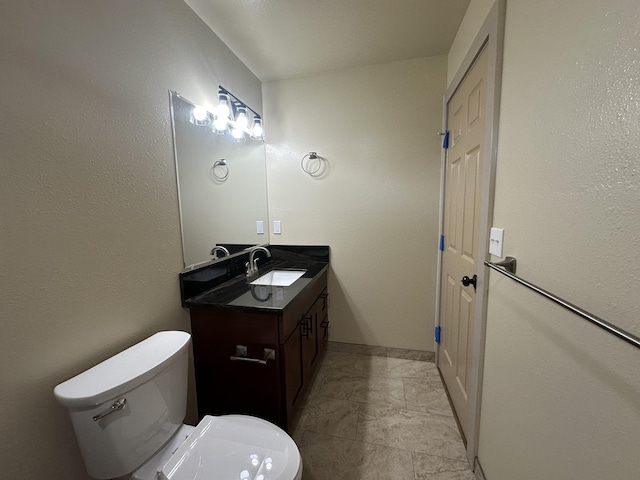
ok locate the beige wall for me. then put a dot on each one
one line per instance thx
(90, 238)
(377, 204)
(560, 397)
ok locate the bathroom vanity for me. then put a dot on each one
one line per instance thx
(256, 346)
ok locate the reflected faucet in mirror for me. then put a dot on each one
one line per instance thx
(260, 293)
(221, 249)
(252, 264)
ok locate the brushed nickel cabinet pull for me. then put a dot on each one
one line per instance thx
(241, 355)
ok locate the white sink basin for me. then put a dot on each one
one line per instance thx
(279, 278)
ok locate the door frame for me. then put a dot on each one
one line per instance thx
(491, 37)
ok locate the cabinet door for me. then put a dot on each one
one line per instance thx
(226, 386)
(290, 354)
(323, 321)
(309, 333)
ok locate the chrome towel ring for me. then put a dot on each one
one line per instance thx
(220, 170)
(306, 166)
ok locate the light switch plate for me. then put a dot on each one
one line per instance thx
(277, 227)
(496, 239)
(259, 227)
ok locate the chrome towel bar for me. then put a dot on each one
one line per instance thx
(603, 324)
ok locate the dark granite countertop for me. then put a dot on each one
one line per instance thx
(237, 293)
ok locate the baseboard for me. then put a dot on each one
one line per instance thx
(477, 470)
(377, 351)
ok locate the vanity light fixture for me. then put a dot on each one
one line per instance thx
(231, 116)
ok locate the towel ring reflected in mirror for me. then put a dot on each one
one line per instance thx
(220, 170)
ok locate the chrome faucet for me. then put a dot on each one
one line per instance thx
(252, 264)
(218, 248)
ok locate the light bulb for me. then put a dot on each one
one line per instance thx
(200, 116)
(242, 122)
(199, 113)
(237, 134)
(256, 129)
(222, 109)
(220, 125)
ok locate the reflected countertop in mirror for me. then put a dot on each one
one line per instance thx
(216, 210)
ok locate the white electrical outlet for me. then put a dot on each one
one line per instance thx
(496, 240)
(277, 227)
(259, 227)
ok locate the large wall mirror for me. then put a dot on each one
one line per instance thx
(222, 186)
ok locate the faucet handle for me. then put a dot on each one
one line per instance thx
(219, 248)
(251, 267)
(252, 264)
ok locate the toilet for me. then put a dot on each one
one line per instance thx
(128, 413)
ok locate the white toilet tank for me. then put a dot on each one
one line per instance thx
(151, 377)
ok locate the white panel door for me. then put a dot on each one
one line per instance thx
(464, 162)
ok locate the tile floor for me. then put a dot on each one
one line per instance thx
(377, 413)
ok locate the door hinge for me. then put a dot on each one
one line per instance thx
(437, 334)
(441, 246)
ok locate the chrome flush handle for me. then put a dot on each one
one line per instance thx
(117, 405)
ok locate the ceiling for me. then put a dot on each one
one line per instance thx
(280, 39)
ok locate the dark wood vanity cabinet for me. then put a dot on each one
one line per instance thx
(282, 350)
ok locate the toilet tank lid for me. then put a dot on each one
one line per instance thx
(124, 371)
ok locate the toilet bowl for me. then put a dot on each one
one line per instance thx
(128, 412)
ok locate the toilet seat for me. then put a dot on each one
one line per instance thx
(235, 447)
